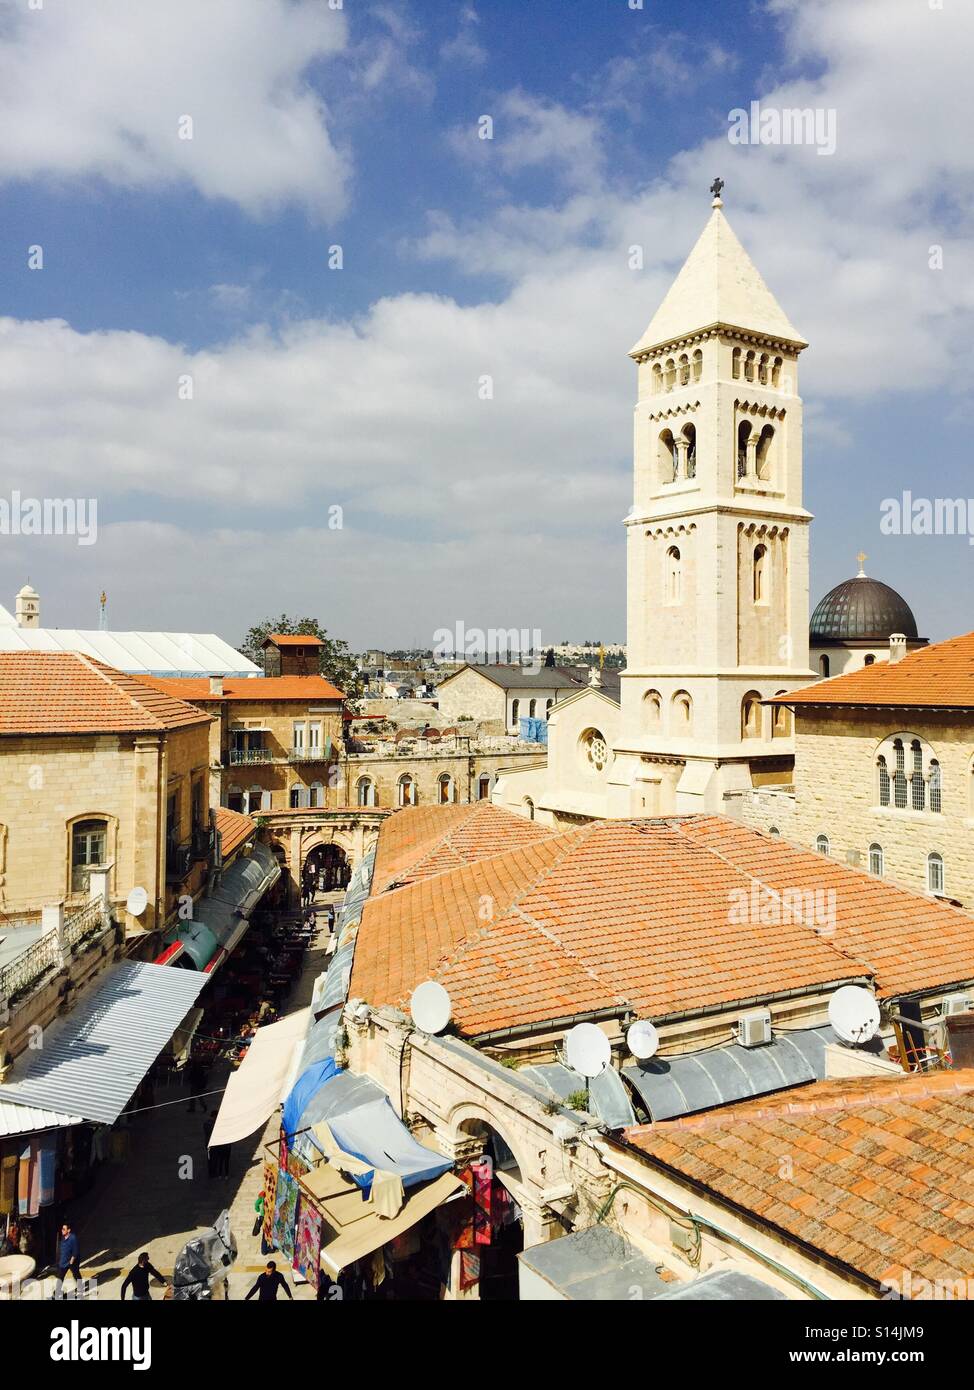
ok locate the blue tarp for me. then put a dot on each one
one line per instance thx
(534, 730)
(375, 1134)
(308, 1083)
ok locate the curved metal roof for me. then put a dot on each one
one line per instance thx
(861, 609)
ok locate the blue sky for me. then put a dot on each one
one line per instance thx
(315, 388)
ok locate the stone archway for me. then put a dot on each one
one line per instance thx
(498, 1261)
(326, 868)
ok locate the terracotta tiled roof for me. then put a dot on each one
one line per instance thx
(600, 917)
(938, 677)
(292, 639)
(911, 942)
(64, 692)
(251, 689)
(421, 840)
(879, 1171)
(235, 829)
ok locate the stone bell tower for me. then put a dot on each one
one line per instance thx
(717, 539)
(27, 609)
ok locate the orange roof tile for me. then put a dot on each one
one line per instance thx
(421, 840)
(235, 829)
(911, 942)
(878, 1177)
(938, 677)
(65, 692)
(252, 689)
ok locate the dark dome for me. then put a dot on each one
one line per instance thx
(861, 610)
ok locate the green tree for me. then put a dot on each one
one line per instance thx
(336, 662)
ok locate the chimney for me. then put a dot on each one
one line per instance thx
(897, 647)
(216, 685)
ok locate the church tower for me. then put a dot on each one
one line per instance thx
(717, 541)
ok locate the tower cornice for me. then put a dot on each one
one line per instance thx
(717, 330)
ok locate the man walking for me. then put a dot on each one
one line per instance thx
(138, 1277)
(268, 1283)
(68, 1258)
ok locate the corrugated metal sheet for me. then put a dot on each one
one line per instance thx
(93, 1059)
(608, 1099)
(26, 1119)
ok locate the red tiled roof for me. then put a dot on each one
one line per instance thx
(235, 829)
(255, 689)
(878, 1178)
(292, 639)
(911, 942)
(938, 677)
(65, 692)
(663, 916)
(421, 840)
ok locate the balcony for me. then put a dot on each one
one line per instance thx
(179, 861)
(238, 757)
(314, 754)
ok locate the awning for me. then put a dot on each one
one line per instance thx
(221, 917)
(254, 1090)
(359, 1230)
(94, 1057)
(29, 1119)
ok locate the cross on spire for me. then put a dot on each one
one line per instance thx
(862, 557)
(715, 188)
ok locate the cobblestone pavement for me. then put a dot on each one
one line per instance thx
(162, 1196)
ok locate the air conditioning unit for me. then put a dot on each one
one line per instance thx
(754, 1030)
(956, 1004)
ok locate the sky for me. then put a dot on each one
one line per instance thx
(257, 265)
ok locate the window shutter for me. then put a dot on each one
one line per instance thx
(265, 801)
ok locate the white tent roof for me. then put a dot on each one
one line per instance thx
(141, 653)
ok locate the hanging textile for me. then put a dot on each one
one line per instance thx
(24, 1181)
(483, 1186)
(469, 1269)
(47, 1169)
(307, 1243)
(285, 1214)
(8, 1184)
(270, 1192)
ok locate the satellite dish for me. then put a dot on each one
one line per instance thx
(430, 1007)
(854, 1014)
(587, 1049)
(643, 1039)
(137, 902)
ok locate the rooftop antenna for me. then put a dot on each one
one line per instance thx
(854, 1014)
(103, 612)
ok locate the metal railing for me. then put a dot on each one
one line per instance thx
(179, 861)
(48, 952)
(237, 757)
(314, 754)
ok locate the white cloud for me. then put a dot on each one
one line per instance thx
(464, 49)
(99, 89)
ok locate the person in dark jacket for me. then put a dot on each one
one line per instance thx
(138, 1276)
(68, 1258)
(268, 1283)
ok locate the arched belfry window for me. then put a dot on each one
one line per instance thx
(751, 715)
(759, 576)
(697, 365)
(736, 364)
(657, 378)
(762, 454)
(690, 435)
(669, 374)
(749, 367)
(743, 435)
(684, 370)
(668, 456)
(674, 575)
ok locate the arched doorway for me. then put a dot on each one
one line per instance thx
(498, 1260)
(326, 870)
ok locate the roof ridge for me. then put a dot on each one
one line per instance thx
(101, 669)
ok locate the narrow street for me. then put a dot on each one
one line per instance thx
(160, 1195)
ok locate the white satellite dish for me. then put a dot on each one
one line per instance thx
(854, 1014)
(587, 1049)
(430, 1007)
(137, 902)
(643, 1039)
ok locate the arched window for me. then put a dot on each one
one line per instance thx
(762, 456)
(776, 372)
(669, 374)
(406, 790)
(690, 435)
(529, 807)
(876, 861)
(883, 781)
(759, 574)
(89, 850)
(447, 789)
(515, 713)
(899, 775)
(822, 844)
(657, 378)
(824, 667)
(483, 787)
(774, 832)
(697, 365)
(668, 457)
(743, 435)
(532, 706)
(365, 792)
(780, 719)
(751, 715)
(317, 797)
(936, 790)
(674, 575)
(653, 709)
(870, 659)
(682, 707)
(547, 707)
(918, 787)
(736, 364)
(684, 370)
(935, 873)
(763, 369)
(749, 366)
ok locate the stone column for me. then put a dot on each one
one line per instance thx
(294, 867)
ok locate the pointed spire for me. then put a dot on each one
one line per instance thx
(718, 284)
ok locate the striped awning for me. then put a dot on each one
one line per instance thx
(94, 1058)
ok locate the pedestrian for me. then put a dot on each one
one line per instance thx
(223, 1160)
(68, 1258)
(196, 1074)
(138, 1277)
(259, 1208)
(267, 1285)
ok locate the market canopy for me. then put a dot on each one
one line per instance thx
(359, 1230)
(254, 1090)
(94, 1058)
